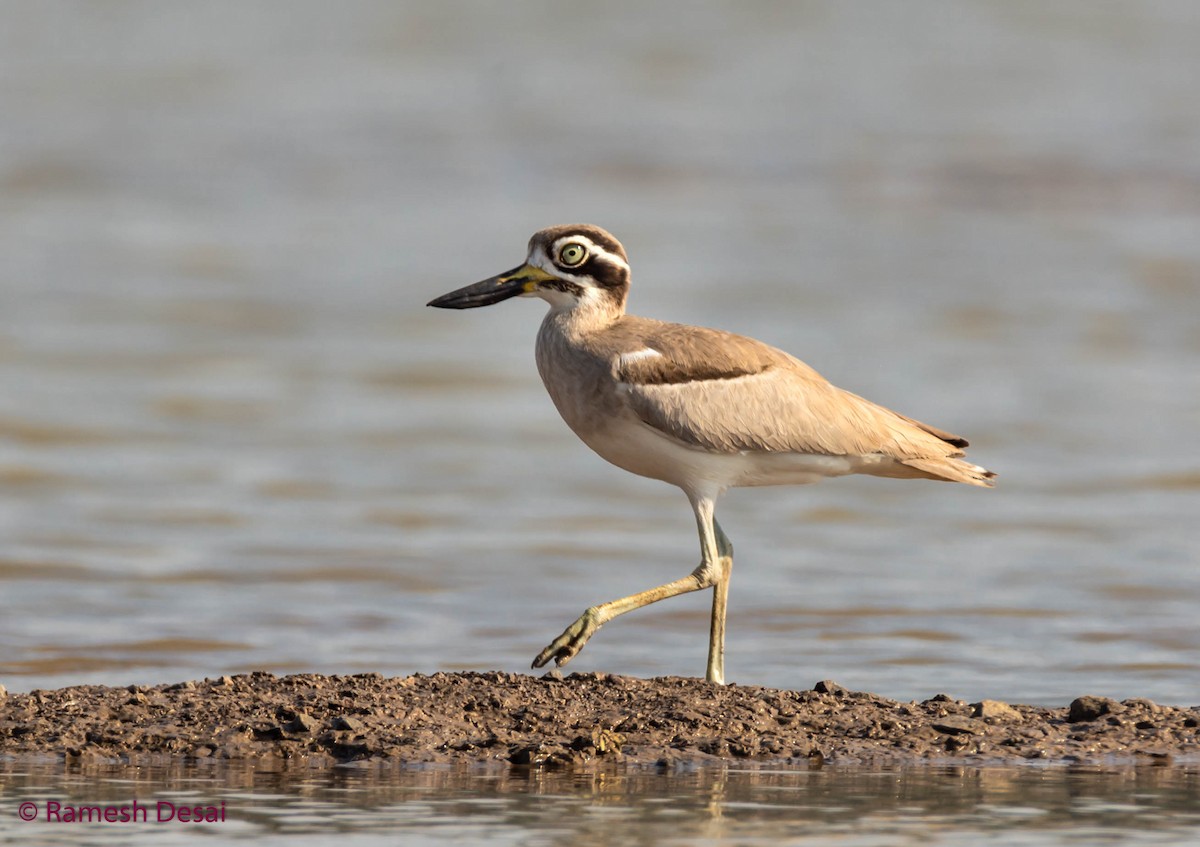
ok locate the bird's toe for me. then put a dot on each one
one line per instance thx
(567, 646)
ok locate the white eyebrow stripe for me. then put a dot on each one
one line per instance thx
(626, 359)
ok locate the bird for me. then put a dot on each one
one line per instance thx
(702, 409)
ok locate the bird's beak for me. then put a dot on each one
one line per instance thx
(518, 281)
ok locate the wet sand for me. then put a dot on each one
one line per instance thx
(580, 720)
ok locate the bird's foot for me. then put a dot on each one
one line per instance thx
(564, 648)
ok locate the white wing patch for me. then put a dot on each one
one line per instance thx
(627, 359)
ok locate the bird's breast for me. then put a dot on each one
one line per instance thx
(578, 381)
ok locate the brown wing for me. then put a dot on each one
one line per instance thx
(728, 393)
(687, 354)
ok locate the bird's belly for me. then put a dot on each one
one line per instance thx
(632, 445)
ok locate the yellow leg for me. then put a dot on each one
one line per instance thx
(716, 633)
(716, 561)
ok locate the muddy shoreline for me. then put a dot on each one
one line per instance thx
(581, 720)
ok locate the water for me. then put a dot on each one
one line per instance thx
(232, 437)
(939, 806)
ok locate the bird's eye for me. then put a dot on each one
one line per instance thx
(572, 255)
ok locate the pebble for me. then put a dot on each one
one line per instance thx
(995, 709)
(955, 726)
(303, 722)
(1088, 708)
(348, 723)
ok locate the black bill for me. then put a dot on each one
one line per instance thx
(520, 280)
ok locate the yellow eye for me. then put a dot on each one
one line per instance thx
(572, 255)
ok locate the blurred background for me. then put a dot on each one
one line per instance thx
(233, 438)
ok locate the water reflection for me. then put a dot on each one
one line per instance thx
(426, 805)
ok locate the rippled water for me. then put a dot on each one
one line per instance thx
(952, 806)
(232, 437)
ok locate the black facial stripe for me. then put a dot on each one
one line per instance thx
(563, 285)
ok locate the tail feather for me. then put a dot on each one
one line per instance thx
(948, 437)
(952, 469)
(949, 466)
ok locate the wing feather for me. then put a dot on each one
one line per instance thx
(727, 393)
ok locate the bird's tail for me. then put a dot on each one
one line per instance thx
(951, 469)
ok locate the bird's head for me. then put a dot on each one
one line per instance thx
(568, 266)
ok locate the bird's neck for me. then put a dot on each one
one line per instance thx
(588, 314)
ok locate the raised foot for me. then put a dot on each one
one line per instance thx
(564, 648)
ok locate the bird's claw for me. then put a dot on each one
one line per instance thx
(564, 648)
